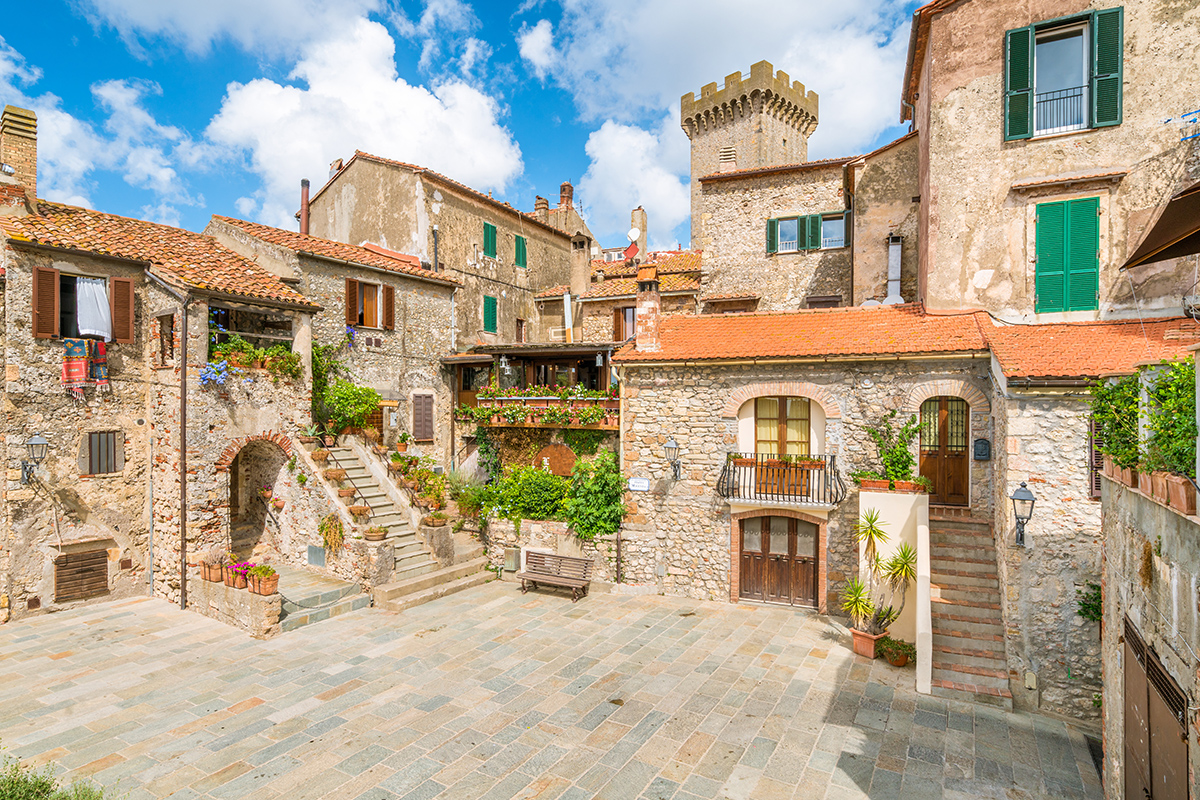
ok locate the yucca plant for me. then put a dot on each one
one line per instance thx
(865, 602)
(857, 603)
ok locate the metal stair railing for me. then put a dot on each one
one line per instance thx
(358, 492)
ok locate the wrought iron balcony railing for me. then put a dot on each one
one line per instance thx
(1060, 111)
(799, 480)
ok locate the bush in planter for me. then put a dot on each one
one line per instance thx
(596, 503)
(1115, 416)
(350, 405)
(263, 579)
(897, 651)
(872, 605)
(1171, 412)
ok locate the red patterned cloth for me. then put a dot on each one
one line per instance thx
(76, 370)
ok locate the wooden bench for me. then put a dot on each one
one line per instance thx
(553, 570)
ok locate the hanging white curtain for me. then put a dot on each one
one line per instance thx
(92, 312)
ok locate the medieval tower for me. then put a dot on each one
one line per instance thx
(762, 121)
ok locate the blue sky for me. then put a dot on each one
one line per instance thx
(174, 111)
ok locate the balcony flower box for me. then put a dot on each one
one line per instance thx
(1128, 476)
(875, 485)
(1158, 486)
(1181, 494)
(909, 486)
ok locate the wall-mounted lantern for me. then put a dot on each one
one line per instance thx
(671, 451)
(1023, 501)
(37, 447)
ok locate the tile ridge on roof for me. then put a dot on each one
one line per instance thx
(801, 165)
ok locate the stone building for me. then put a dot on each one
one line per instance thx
(500, 256)
(400, 312)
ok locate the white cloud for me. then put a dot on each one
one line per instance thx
(536, 46)
(444, 29)
(632, 167)
(346, 95)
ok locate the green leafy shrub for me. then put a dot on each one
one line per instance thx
(26, 783)
(1115, 416)
(350, 405)
(1090, 602)
(532, 493)
(489, 455)
(595, 506)
(583, 442)
(895, 446)
(894, 648)
(1171, 413)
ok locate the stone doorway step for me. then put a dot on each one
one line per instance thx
(310, 597)
(411, 592)
(412, 559)
(969, 660)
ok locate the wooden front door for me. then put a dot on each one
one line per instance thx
(1156, 744)
(944, 458)
(779, 561)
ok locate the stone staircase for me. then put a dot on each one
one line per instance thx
(412, 559)
(969, 660)
(411, 592)
(309, 597)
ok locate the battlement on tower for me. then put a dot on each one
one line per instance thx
(764, 92)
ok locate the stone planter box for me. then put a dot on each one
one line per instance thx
(864, 643)
(257, 614)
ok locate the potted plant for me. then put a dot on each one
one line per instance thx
(335, 474)
(237, 572)
(370, 434)
(347, 491)
(1115, 420)
(333, 535)
(434, 520)
(402, 442)
(328, 437)
(375, 533)
(210, 565)
(320, 455)
(872, 604)
(263, 579)
(265, 492)
(278, 503)
(311, 435)
(1181, 494)
(897, 651)
(360, 511)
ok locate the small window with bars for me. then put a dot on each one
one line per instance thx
(102, 452)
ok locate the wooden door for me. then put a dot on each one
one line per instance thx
(779, 561)
(804, 564)
(944, 459)
(1137, 730)
(750, 575)
(1156, 745)
(777, 547)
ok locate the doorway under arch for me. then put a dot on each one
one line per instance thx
(258, 464)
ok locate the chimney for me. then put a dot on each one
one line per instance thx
(637, 219)
(649, 309)
(581, 262)
(566, 193)
(541, 209)
(18, 146)
(304, 206)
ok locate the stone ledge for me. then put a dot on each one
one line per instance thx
(256, 614)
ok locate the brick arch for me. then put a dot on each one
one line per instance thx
(820, 394)
(234, 447)
(735, 550)
(950, 387)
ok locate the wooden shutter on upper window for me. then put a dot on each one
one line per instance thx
(423, 417)
(45, 303)
(811, 232)
(1050, 282)
(1018, 84)
(618, 325)
(121, 301)
(389, 308)
(1107, 46)
(772, 238)
(351, 301)
(1082, 251)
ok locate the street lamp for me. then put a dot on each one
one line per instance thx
(671, 451)
(1023, 501)
(37, 447)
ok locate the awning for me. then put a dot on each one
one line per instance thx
(1175, 233)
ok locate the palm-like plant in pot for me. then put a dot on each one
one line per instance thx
(875, 604)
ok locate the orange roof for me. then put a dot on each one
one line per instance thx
(856, 331)
(675, 283)
(720, 298)
(178, 256)
(1087, 349)
(370, 255)
(665, 260)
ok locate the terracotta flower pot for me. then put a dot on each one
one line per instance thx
(307, 439)
(320, 456)
(212, 572)
(278, 503)
(347, 492)
(873, 484)
(359, 511)
(1128, 476)
(264, 586)
(330, 441)
(374, 536)
(265, 494)
(401, 447)
(900, 660)
(1110, 468)
(395, 466)
(227, 574)
(908, 486)
(864, 643)
(335, 474)
(1158, 486)
(743, 462)
(1182, 494)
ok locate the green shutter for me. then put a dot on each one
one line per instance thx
(489, 314)
(772, 236)
(489, 240)
(1082, 254)
(1050, 281)
(521, 253)
(1018, 84)
(811, 230)
(1107, 37)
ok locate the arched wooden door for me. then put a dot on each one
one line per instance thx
(779, 561)
(944, 459)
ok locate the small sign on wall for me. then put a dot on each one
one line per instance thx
(983, 450)
(639, 484)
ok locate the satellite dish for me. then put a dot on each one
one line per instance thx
(634, 234)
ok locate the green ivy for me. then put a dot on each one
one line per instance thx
(1115, 417)
(895, 447)
(350, 405)
(326, 366)
(1091, 606)
(595, 506)
(1171, 414)
(489, 455)
(583, 442)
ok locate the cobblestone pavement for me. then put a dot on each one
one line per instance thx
(494, 694)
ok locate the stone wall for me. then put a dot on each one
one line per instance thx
(1043, 440)
(735, 213)
(886, 203)
(553, 537)
(682, 528)
(598, 314)
(970, 171)
(1151, 568)
(256, 614)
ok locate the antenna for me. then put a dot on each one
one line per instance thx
(634, 234)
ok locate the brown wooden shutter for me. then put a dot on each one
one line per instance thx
(389, 308)
(618, 325)
(351, 301)
(1095, 461)
(120, 298)
(45, 303)
(80, 575)
(423, 417)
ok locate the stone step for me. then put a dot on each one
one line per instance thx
(974, 655)
(394, 589)
(301, 603)
(970, 610)
(402, 547)
(965, 592)
(958, 577)
(958, 638)
(972, 693)
(964, 673)
(413, 599)
(411, 568)
(960, 539)
(974, 628)
(975, 566)
(959, 524)
(308, 616)
(956, 550)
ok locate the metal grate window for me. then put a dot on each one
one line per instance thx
(105, 452)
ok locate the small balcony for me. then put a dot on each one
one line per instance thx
(1061, 111)
(808, 480)
(544, 411)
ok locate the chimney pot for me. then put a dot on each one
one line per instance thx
(18, 146)
(566, 192)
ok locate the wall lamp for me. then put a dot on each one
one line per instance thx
(1023, 501)
(671, 451)
(37, 447)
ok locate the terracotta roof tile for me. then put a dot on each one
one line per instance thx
(717, 298)
(553, 291)
(665, 260)
(369, 255)
(178, 256)
(856, 331)
(674, 283)
(1087, 349)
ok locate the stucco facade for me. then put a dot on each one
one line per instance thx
(884, 194)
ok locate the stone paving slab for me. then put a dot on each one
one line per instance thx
(493, 694)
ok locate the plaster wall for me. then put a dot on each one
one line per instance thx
(901, 514)
(598, 314)
(969, 171)
(886, 189)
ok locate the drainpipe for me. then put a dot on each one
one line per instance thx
(435, 245)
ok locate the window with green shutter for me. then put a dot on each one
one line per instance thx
(809, 232)
(1068, 256)
(521, 256)
(489, 314)
(1063, 75)
(489, 240)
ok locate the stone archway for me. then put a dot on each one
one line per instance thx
(258, 463)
